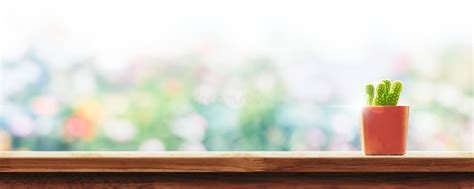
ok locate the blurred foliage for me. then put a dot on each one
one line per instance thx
(186, 103)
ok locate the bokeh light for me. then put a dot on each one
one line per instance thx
(244, 75)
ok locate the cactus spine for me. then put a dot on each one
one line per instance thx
(386, 93)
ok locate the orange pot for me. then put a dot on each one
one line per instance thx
(384, 130)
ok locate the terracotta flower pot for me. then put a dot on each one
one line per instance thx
(384, 130)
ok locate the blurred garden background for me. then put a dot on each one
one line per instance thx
(242, 75)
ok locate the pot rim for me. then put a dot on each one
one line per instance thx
(398, 106)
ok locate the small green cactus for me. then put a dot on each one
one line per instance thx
(386, 93)
(369, 89)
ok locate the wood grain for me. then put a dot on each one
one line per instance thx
(236, 180)
(234, 162)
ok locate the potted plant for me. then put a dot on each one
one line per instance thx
(383, 123)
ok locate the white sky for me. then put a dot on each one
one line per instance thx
(333, 27)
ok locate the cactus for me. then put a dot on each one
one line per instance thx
(369, 89)
(387, 87)
(380, 95)
(386, 93)
(392, 98)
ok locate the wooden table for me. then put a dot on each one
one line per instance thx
(235, 169)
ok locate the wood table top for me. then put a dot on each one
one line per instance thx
(302, 161)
